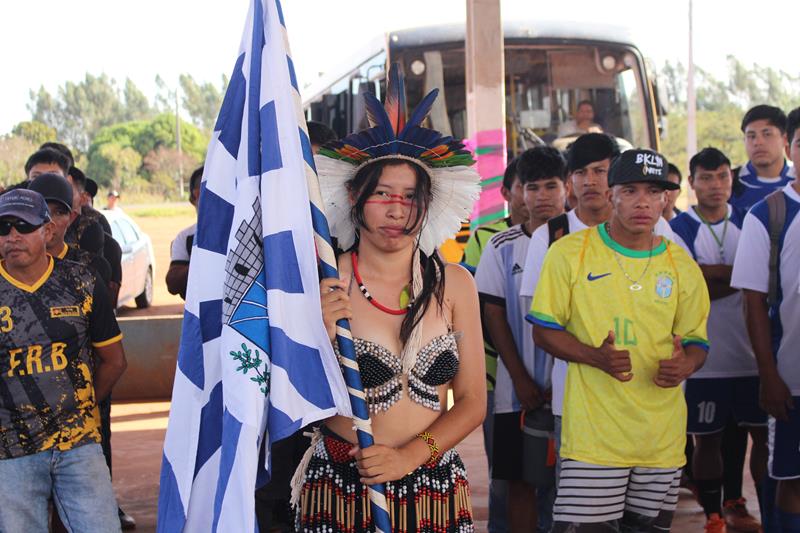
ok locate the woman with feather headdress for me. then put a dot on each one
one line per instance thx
(393, 193)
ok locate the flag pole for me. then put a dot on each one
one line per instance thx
(352, 377)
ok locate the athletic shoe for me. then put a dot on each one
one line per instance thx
(715, 524)
(126, 521)
(737, 517)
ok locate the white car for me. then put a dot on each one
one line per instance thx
(138, 261)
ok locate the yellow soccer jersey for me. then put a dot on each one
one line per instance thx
(584, 291)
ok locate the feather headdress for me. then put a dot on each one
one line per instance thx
(393, 135)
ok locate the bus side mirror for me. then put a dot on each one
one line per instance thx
(662, 106)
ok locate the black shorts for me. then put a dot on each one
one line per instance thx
(507, 452)
(710, 402)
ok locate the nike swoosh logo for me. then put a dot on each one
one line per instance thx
(592, 278)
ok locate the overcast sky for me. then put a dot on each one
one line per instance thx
(47, 42)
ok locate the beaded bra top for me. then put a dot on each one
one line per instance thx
(381, 372)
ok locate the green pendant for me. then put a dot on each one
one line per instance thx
(405, 297)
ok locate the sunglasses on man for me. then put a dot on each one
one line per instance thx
(20, 225)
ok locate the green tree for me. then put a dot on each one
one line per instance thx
(44, 108)
(202, 100)
(81, 109)
(114, 165)
(161, 131)
(88, 106)
(35, 131)
(674, 76)
(719, 129)
(167, 169)
(136, 105)
(14, 151)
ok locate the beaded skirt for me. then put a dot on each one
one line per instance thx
(431, 499)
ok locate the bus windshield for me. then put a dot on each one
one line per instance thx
(553, 92)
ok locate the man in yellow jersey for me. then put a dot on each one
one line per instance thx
(628, 310)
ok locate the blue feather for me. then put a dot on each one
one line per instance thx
(377, 117)
(422, 110)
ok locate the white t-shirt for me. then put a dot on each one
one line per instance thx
(731, 354)
(181, 248)
(498, 279)
(751, 271)
(540, 242)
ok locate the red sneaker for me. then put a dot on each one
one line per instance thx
(715, 524)
(737, 517)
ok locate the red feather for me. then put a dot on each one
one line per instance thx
(395, 102)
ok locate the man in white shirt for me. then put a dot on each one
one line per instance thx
(772, 304)
(727, 385)
(583, 122)
(523, 373)
(181, 249)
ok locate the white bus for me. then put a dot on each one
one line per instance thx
(550, 67)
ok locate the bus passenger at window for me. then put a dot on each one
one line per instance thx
(583, 122)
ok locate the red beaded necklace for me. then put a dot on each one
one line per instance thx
(368, 296)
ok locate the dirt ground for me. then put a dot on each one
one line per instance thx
(138, 436)
(138, 428)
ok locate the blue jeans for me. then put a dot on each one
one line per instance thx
(498, 488)
(76, 479)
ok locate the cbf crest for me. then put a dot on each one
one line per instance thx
(664, 283)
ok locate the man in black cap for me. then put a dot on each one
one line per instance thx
(57, 192)
(54, 315)
(627, 309)
(91, 231)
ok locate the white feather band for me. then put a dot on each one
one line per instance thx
(454, 190)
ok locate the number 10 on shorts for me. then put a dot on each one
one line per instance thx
(706, 411)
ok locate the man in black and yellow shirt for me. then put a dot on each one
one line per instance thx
(53, 316)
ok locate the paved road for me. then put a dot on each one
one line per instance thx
(138, 430)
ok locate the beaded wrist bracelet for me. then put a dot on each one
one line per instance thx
(431, 442)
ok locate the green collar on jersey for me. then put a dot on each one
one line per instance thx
(627, 252)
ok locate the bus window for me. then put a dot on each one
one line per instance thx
(433, 68)
(545, 86)
(342, 106)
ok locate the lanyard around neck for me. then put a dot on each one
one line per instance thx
(719, 240)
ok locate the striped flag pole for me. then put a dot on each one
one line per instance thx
(352, 377)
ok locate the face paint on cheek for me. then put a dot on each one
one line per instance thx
(393, 199)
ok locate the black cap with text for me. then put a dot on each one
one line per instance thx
(640, 166)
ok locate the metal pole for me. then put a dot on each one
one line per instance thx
(486, 110)
(691, 102)
(178, 144)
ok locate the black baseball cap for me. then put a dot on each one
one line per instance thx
(53, 187)
(91, 187)
(26, 205)
(640, 166)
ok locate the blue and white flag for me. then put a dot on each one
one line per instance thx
(255, 361)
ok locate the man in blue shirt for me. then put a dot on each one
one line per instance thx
(764, 129)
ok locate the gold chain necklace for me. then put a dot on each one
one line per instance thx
(635, 285)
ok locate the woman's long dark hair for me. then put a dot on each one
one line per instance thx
(361, 188)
